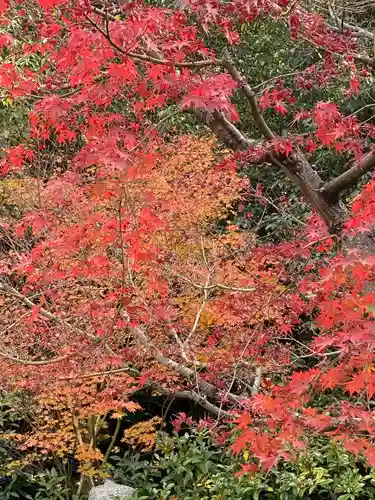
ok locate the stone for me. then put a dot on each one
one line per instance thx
(111, 491)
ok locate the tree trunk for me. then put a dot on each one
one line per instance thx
(296, 167)
(332, 211)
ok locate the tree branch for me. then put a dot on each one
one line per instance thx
(356, 29)
(214, 410)
(295, 165)
(154, 60)
(249, 94)
(241, 140)
(257, 381)
(101, 374)
(26, 362)
(104, 14)
(224, 130)
(12, 291)
(189, 374)
(195, 64)
(333, 188)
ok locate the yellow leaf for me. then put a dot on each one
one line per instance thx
(118, 414)
(8, 101)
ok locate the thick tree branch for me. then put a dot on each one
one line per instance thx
(257, 381)
(249, 94)
(104, 14)
(365, 59)
(295, 165)
(349, 178)
(355, 29)
(214, 410)
(187, 373)
(242, 141)
(224, 130)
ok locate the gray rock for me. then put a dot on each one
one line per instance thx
(111, 491)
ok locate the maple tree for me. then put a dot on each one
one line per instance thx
(126, 267)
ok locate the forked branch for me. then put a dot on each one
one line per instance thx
(187, 373)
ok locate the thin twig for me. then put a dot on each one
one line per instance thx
(154, 60)
(102, 374)
(199, 312)
(215, 285)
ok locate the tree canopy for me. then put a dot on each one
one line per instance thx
(187, 209)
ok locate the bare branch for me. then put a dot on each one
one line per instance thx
(349, 178)
(228, 64)
(189, 374)
(26, 362)
(199, 312)
(167, 62)
(257, 381)
(104, 14)
(214, 410)
(355, 29)
(243, 142)
(216, 285)
(224, 130)
(181, 345)
(99, 374)
(186, 372)
(365, 59)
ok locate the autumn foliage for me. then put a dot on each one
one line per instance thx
(125, 269)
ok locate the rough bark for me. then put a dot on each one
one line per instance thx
(331, 210)
(225, 131)
(349, 178)
(297, 168)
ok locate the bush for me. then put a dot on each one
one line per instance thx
(20, 476)
(191, 466)
(25, 485)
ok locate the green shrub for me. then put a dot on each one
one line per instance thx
(192, 466)
(25, 485)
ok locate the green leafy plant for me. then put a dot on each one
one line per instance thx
(191, 466)
(46, 485)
